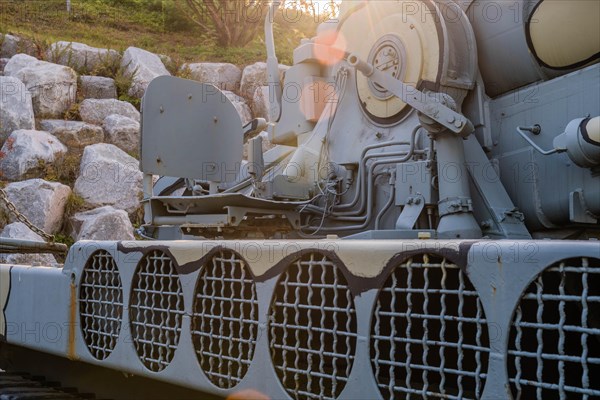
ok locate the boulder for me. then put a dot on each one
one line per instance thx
(104, 223)
(260, 103)
(222, 75)
(81, 56)
(109, 177)
(11, 45)
(19, 62)
(53, 87)
(144, 67)
(73, 134)
(24, 153)
(166, 60)
(255, 75)
(123, 132)
(16, 107)
(95, 111)
(3, 62)
(97, 87)
(42, 202)
(18, 230)
(240, 105)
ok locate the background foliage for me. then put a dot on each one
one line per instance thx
(160, 26)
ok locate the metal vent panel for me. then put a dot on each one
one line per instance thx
(554, 344)
(156, 310)
(100, 304)
(312, 328)
(225, 319)
(429, 334)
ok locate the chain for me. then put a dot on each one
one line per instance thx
(22, 218)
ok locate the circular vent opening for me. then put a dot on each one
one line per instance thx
(554, 344)
(429, 335)
(156, 310)
(100, 304)
(225, 320)
(312, 328)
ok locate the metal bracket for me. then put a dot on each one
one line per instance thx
(412, 96)
(411, 212)
(455, 205)
(486, 181)
(513, 214)
(236, 215)
(254, 127)
(578, 211)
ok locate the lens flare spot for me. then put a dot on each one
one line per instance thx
(317, 94)
(330, 47)
(248, 394)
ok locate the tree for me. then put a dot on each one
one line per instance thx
(326, 8)
(233, 22)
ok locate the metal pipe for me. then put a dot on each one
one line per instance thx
(360, 171)
(363, 159)
(349, 215)
(31, 247)
(352, 215)
(362, 191)
(368, 217)
(455, 206)
(364, 67)
(385, 208)
(521, 131)
(275, 92)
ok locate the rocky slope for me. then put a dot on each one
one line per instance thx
(69, 146)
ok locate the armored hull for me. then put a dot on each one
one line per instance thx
(425, 225)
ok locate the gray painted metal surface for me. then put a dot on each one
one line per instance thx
(300, 319)
(369, 317)
(207, 128)
(523, 171)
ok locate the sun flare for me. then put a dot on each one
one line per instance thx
(320, 7)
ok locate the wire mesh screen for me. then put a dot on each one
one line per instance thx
(554, 345)
(100, 304)
(313, 328)
(156, 310)
(225, 320)
(429, 335)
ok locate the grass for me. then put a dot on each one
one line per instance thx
(64, 169)
(75, 203)
(154, 25)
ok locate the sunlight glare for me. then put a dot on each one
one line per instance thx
(333, 49)
(328, 8)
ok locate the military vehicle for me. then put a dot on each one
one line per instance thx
(425, 224)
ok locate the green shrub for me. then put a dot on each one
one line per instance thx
(64, 169)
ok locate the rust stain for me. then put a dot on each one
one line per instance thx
(71, 352)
